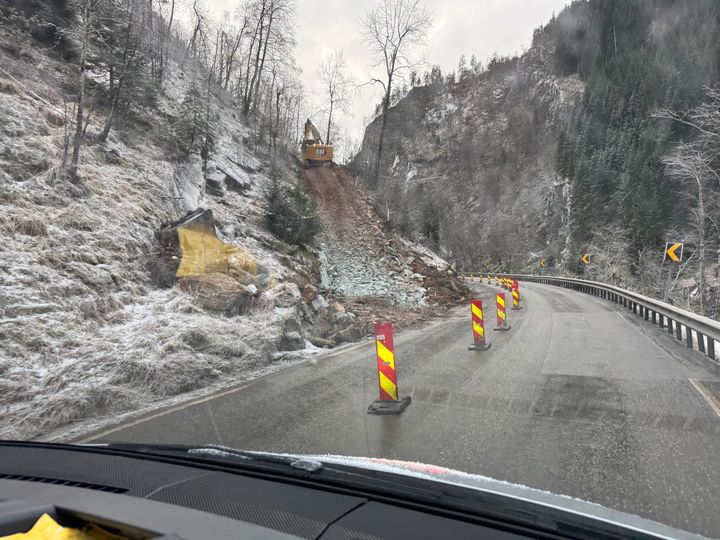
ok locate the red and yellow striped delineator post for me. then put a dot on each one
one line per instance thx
(502, 324)
(389, 402)
(516, 295)
(479, 343)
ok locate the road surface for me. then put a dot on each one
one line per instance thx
(579, 398)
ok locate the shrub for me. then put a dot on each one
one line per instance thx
(291, 214)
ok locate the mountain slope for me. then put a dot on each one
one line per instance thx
(92, 323)
(478, 155)
(561, 151)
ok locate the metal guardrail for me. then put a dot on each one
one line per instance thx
(706, 331)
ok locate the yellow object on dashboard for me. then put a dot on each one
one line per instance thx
(46, 528)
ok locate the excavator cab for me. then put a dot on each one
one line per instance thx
(315, 152)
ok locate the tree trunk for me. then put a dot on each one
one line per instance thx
(251, 88)
(113, 110)
(381, 140)
(80, 112)
(265, 48)
(327, 137)
(701, 245)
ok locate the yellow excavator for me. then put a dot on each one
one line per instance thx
(315, 152)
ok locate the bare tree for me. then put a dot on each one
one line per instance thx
(273, 35)
(391, 30)
(131, 16)
(696, 164)
(691, 165)
(336, 85)
(86, 14)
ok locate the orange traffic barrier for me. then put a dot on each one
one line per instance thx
(516, 295)
(502, 324)
(389, 402)
(478, 324)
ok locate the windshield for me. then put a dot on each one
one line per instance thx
(476, 235)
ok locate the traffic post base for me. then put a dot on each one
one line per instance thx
(380, 406)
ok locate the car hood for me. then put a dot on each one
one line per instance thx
(519, 492)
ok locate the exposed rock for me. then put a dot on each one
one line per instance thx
(320, 304)
(347, 335)
(309, 293)
(215, 183)
(247, 162)
(285, 295)
(235, 178)
(219, 292)
(292, 341)
(321, 342)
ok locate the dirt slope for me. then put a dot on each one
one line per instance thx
(369, 265)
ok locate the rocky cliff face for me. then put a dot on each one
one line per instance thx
(470, 165)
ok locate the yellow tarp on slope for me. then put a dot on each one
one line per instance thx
(204, 253)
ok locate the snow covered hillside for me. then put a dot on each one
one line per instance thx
(87, 331)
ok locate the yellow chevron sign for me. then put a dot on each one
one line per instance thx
(542, 263)
(671, 251)
(585, 258)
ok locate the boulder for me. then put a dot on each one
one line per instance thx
(292, 341)
(292, 322)
(308, 293)
(236, 178)
(285, 295)
(321, 342)
(247, 162)
(215, 183)
(219, 292)
(346, 335)
(319, 304)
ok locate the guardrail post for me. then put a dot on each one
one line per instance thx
(647, 315)
(661, 320)
(654, 317)
(678, 331)
(688, 337)
(701, 342)
(670, 326)
(711, 348)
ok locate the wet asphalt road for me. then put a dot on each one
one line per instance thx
(579, 398)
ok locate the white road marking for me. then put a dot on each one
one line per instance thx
(711, 400)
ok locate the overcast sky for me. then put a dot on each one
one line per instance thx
(480, 27)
